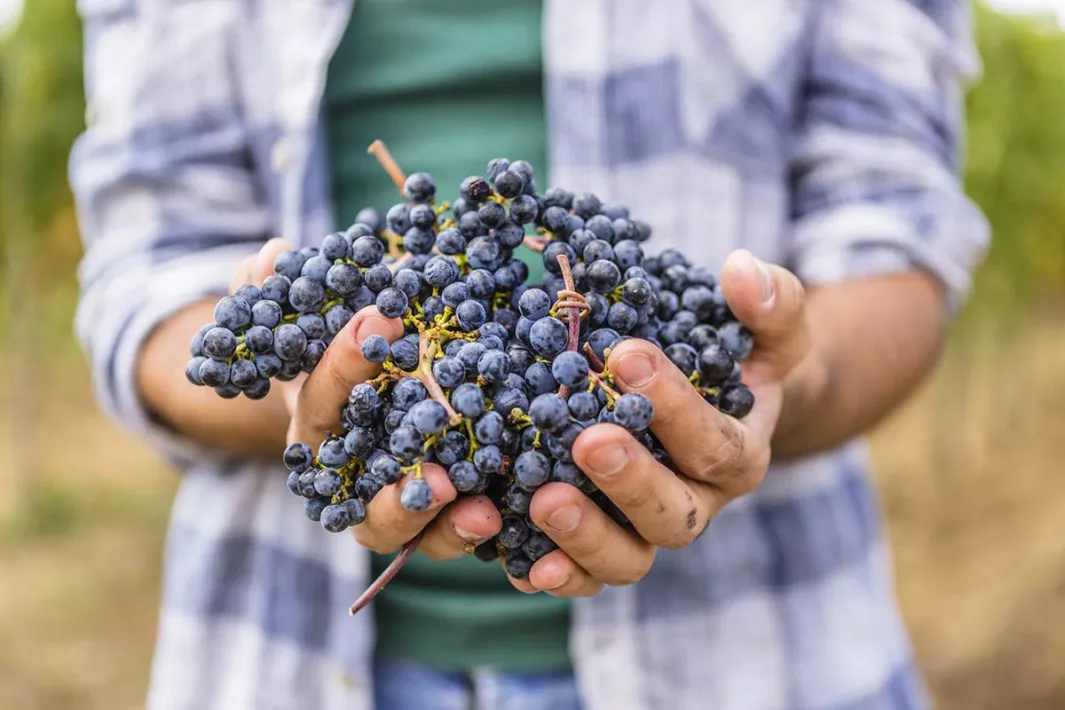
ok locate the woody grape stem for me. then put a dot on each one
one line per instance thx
(379, 150)
(576, 307)
(385, 577)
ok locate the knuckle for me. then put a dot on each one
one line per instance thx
(726, 461)
(631, 573)
(681, 538)
(372, 542)
(636, 495)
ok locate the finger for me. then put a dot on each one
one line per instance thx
(769, 300)
(326, 390)
(523, 585)
(264, 260)
(558, 575)
(388, 525)
(600, 546)
(243, 273)
(704, 443)
(469, 521)
(664, 508)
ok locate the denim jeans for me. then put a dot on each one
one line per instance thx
(399, 685)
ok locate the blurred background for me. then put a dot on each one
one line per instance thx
(971, 470)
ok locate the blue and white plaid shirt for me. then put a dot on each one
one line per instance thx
(820, 134)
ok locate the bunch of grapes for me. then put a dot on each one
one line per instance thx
(495, 377)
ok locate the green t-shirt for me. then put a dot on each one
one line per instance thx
(448, 86)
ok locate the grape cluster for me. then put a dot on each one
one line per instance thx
(495, 377)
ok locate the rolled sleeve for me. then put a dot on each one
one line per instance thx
(166, 196)
(877, 158)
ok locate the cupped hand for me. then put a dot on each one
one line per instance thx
(718, 457)
(314, 402)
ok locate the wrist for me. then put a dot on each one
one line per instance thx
(805, 391)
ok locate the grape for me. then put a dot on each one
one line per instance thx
(419, 187)
(489, 428)
(449, 372)
(570, 369)
(298, 457)
(736, 400)
(219, 343)
(517, 565)
(531, 470)
(316, 268)
(715, 363)
(583, 406)
(513, 533)
(312, 325)
(633, 411)
(192, 370)
(416, 496)
(480, 340)
(367, 251)
(470, 315)
(306, 294)
(327, 482)
(242, 373)
(377, 277)
(313, 508)
(375, 348)
(335, 518)
(493, 366)
(429, 416)
(736, 339)
(214, 373)
(392, 302)
(537, 546)
(363, 398)
(466, 478)
(568, 472)
(548, 337)
(488, 459)
(359, 443)
(549, 413)
(405, 355)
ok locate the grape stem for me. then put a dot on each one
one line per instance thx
(593, 359)
(427, 350)
(385, 577)
(379, 150)
(597, 379)
(575, 306)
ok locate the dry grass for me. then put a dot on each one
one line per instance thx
(971, 473)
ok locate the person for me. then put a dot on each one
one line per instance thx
(807, 151)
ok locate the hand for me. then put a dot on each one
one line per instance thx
(719, 457)
(314, 403)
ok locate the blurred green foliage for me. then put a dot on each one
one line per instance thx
(1016, 158)
(1015, 161)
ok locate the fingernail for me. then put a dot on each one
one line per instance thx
(565, 519)
(607, 460)
(372, 325)
(468, 536)
(634, 369)
(765, 280)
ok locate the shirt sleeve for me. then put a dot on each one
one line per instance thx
(166, 195)
(877, 157)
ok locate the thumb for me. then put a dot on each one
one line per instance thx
(326, 389)
(770, 301)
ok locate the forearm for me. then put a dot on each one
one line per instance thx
(238, 426)
(873, 340)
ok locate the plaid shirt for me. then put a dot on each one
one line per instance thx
(819, 134)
